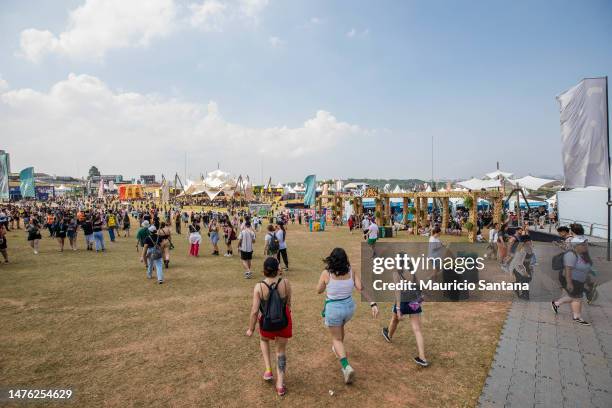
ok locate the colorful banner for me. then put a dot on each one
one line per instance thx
(130, 192)
(311, 190)
(5, 171)
(26, 183)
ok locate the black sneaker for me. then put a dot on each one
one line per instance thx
(555, 308)
(160, 282)
(581, 322)
(385, 334)
(420, 362)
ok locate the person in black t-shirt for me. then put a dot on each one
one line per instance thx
(97, 233)
(60, 229)
(87, 226)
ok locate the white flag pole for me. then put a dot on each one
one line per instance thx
(609, 203)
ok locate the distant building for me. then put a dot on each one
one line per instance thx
(148, 179)
(115, 178)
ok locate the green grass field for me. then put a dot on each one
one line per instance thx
(93, 323)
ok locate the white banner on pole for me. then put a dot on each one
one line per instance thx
(584, 127)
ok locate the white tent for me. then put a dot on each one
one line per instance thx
(397, 189)
(497, 174)
(215, 183)
(531, 183)
(477, 184)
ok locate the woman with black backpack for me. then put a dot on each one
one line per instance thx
(272, 309)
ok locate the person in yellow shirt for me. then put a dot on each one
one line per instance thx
(111, 223)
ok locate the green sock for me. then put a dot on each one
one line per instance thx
(344, 362)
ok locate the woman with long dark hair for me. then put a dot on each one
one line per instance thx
(339, 281)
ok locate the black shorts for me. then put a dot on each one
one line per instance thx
(246, 256)
(3, 244)
(578, 287)
(406, 309)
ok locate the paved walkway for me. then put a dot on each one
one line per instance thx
(543, 360)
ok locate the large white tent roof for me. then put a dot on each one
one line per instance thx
(498, 174)
(477, 184)
(531, 183)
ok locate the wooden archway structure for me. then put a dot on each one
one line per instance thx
(420, 200)
(383, 206)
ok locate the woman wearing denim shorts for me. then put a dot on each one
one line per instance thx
(339, 282)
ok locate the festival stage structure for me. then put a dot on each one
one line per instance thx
(219, 184)
(420, 202)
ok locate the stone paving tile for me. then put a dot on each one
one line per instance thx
(546, 360)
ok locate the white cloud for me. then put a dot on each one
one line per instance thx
(4, 85)
(99, 26)
(252, 8)
(276, 42)
(214, 15)
(83, 119)
(208, 15)
(315, 20)
(352, 33)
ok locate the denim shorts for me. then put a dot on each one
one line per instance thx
(340, 312)
(214, 237)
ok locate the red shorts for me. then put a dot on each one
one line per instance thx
(287, 332)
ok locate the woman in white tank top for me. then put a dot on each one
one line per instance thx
(339, 282)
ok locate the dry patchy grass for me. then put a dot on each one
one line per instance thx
(93, 323)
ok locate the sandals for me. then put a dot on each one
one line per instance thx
(281, 391)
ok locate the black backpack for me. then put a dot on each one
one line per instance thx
(274, 245)
(557, 261)
(274, 316)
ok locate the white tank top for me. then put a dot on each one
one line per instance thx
(340, 288)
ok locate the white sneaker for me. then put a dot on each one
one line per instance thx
(349, 374)
(35, 252)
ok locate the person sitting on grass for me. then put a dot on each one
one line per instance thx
(339, 282)
(271, 307)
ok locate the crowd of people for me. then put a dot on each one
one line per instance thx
(238, 229)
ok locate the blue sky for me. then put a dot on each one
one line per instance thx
(478, 76)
